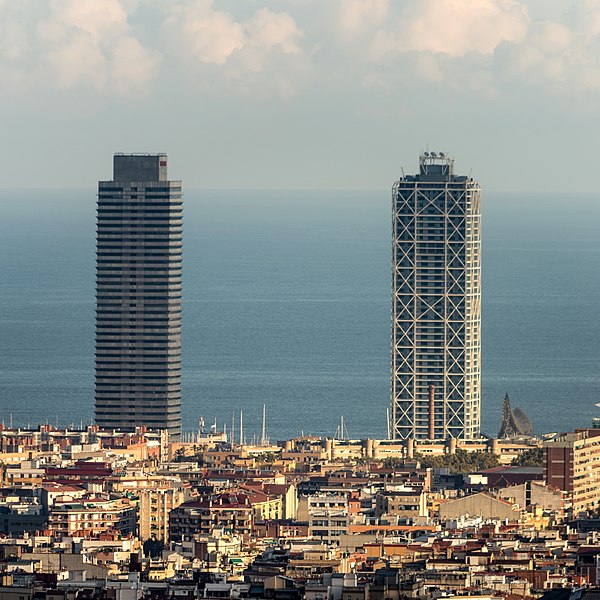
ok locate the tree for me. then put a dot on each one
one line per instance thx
(265, 458)
(461, 461)
(530, 458)
(393, 461)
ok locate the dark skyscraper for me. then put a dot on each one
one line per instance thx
(436, 304)
(138, 296)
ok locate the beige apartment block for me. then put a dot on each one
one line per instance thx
(572, 464)
(154, 508)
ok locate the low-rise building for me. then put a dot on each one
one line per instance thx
(404, 504)
(92, 515)
(231, 512)
(572, 464)
(328, 516)
(482, 505)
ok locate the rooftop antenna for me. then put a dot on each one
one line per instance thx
(201, 425)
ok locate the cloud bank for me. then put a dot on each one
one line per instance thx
(124, 48)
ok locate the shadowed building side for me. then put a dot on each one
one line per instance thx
(138, 296)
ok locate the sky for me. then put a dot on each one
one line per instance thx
(301, 93)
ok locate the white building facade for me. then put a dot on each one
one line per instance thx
(436, 304)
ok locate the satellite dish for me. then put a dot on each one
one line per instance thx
(441, 155)
(426, 153)
(433, 155)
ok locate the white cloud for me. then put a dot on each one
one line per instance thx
(452, 27)
(132, 67)
(77, 60)
(584, 16)
(560, 58)
(264, 47)
(356, 16)
(210, 35)
(72, 44)
(214, 36)
(259, 55)
(477, 45)
(268, 29)
(99, 19)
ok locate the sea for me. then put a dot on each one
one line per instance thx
(287, 305)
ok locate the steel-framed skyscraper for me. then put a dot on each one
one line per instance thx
(138, 296)
(436, 304)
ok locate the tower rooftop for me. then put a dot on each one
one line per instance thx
(435, 166)
(140, 167)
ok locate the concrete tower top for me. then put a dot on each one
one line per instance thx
(140, 167)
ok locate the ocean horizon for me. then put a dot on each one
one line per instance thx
(286, 303)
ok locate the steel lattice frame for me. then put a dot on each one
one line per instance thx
(436, 308)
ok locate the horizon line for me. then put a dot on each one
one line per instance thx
(304, 189)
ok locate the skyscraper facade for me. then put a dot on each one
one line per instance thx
(138, 296)
(436, 304)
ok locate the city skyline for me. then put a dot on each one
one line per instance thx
(301, 96)
(436, 303)
(319, 397)
(540, 289)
